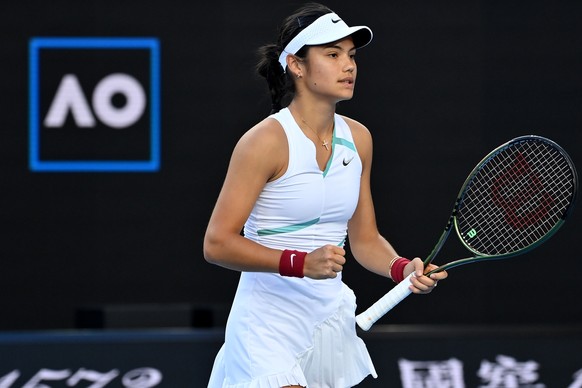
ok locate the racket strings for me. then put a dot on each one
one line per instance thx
(515, 198)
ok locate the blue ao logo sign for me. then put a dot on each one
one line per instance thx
(94, 104)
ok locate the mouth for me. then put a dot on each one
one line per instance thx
(349, 81)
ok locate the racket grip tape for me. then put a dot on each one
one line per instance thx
(386, 303)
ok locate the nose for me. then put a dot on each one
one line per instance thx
(350, 65)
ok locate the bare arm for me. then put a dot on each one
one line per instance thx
(259, 156)
(368, 246)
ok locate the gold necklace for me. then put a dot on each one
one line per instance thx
(323, 142)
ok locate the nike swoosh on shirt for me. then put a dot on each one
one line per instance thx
(346, 162)
(335, 21)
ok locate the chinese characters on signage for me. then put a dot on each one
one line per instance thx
(503, 372)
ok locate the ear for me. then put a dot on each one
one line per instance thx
(295, 66)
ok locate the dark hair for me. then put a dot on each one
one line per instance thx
(281, 85)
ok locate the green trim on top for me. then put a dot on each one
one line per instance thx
(287, 229)
(345, 143)
(337, 141)
(328, 165)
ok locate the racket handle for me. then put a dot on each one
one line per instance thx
(376, 311)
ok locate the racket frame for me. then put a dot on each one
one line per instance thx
(367, 318)
(459, 201)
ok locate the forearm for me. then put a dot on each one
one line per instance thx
(374, 254)
(240, 254)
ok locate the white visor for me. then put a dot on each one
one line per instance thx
(326, 29)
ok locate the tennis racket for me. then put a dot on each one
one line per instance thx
(516, 198)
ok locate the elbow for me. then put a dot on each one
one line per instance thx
(208, 252)
(211, 249)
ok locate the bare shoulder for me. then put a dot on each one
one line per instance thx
(266, 135)
(361, 134)
(265, 145)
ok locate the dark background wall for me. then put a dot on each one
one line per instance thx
(441, 84)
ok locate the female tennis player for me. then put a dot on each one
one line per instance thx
(299, 184)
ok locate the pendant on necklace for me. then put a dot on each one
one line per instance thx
(323, 142)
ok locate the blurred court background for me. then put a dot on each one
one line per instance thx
(102, 224)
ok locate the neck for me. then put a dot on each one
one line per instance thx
(319, 121)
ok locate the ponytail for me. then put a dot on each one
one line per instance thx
(277, 81)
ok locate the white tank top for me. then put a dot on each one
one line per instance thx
(307, 208)
(304, 209)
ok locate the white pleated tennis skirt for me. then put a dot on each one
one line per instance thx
(337, 357)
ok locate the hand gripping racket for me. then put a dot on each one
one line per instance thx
(514, 199)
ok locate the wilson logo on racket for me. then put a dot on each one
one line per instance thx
(472, 233)
(517, 187)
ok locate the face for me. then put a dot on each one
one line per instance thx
(330, 70)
